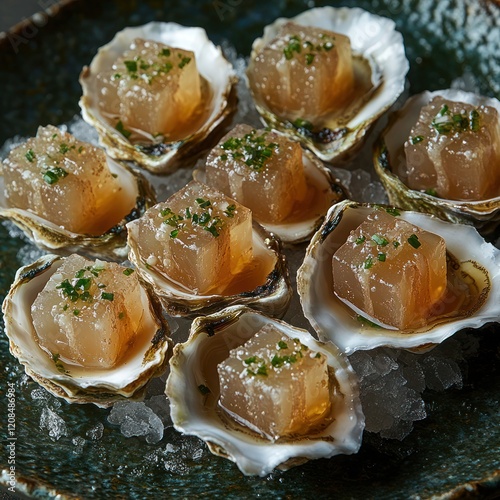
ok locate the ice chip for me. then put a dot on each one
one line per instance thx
(137, 419)
(55, 425)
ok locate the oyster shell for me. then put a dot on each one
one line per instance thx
(389, 157)
(137, 195)
(157, 155)
(82, 385)
(322, 191)
(193, 389)
(380, 70)
(476, 266)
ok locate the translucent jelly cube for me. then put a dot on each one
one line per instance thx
(152, 88)
(64, 180)
(454, 151)
(391, 271)
(198, 238)
(88, 313)
(261, 170)
(275, 385)
(304, 72)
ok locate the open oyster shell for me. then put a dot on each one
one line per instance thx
(271, 296)
(389, 152)
(477, 261)
(162, 157)
(101, 387)
(303, 226)
(112, 244)
(373, 40)
(194, 411)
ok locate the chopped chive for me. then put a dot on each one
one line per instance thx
(53, 175)
(30, 155)
(174, 233)
(380, 240)
(230, 211)
(360, 240)
(301, 123)
(250, 360)
(128, 271)
(393, 211)
(76, 312)
(396, 244)
(431, 192)
(282, 345)
(417, 139)
(203, 203)
(474, 120)
(381, 256)
(121, 128)
(309, 59)
(131, 66)
(367, 322)
(107, 296)
(368, 263)
(414, 241)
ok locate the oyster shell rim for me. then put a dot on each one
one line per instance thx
(283, 456)
(326, 18)
(349, 334)
(274, 295)
(103, 393)
(483, 214)
(164, 162)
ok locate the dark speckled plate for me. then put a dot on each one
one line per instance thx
(453, 453)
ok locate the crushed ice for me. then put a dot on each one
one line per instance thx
(137, 419)
(392, 382)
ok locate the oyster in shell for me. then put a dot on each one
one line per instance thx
(391, 165)
(194, 389)
(67, 195)
(288, 190)
(149, 76)
(102, 371)
(377, 76)
(200, 252)
(473, 277)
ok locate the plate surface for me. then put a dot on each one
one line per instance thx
(454, 452)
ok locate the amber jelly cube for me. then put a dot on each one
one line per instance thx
(454, 151)
(275, 385)
(88, 313)
(153, 88)
(63, 180)
(261, 170)
(304, 72)
(391, 271)
(198, 238)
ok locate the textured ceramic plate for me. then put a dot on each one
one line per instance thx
(453, 453)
